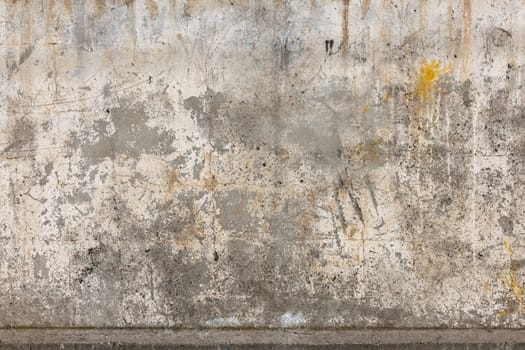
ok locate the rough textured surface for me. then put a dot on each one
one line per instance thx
(262, 163)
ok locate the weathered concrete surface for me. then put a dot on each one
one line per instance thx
(262, 164)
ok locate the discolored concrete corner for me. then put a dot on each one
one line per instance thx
(379, 339)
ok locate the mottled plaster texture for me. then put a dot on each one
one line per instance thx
(262, 164)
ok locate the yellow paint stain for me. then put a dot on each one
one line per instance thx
(366, 109)
(428, 76)
(512, 283)
(507, 247)
(504, 312)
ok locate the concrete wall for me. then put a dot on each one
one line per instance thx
(265, 163)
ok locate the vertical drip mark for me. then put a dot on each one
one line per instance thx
(465, 39)
(344, 43)
(365, 6)
(68, 4)
(464, 74)
(133, 18)
(447, 118)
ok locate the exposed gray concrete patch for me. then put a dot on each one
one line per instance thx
(131, 136)
(22, 135)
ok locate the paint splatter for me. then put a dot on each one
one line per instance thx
(428, 76)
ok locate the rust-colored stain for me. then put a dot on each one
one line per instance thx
(428, 77)
(153, 8)
(351, 231)
(466, 38)
(365, 6)
(68, 4)
(209, 182)
(344, 43)
(100, 7)
(511, 281)
(342, 193)
(369, 151)
(284, 154)
(194, 7)
(173, 178)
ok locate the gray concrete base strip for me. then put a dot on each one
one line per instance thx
(205, 338)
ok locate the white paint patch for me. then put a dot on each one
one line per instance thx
(290, 319)
(231, 321)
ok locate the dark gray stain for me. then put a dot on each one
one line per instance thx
(234, 211)
(14, 66)
(79, 197)
(466, 89)
(268, 123)
(226, 120)
(176, 218)
(500, 37)
(101, 261)
(495, 39)
(324, 145)
(283, 53)
(48, 168)
(181, 277)
(132, 137)
(497, 122)
(40, 267)
(22, 135)
(506, 224)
